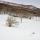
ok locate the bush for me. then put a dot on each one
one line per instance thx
(11, 21)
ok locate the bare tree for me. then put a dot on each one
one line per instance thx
(11, 21)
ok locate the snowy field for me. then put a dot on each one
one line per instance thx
(27, 30)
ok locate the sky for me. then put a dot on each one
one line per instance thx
(26, 2)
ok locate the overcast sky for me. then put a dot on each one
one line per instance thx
(26, 2)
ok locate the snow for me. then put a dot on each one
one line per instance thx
(24, 31)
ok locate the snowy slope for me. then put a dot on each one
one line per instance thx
(27, 30)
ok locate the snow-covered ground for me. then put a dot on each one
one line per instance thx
(27, 30)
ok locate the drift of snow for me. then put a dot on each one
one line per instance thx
(24, 31)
